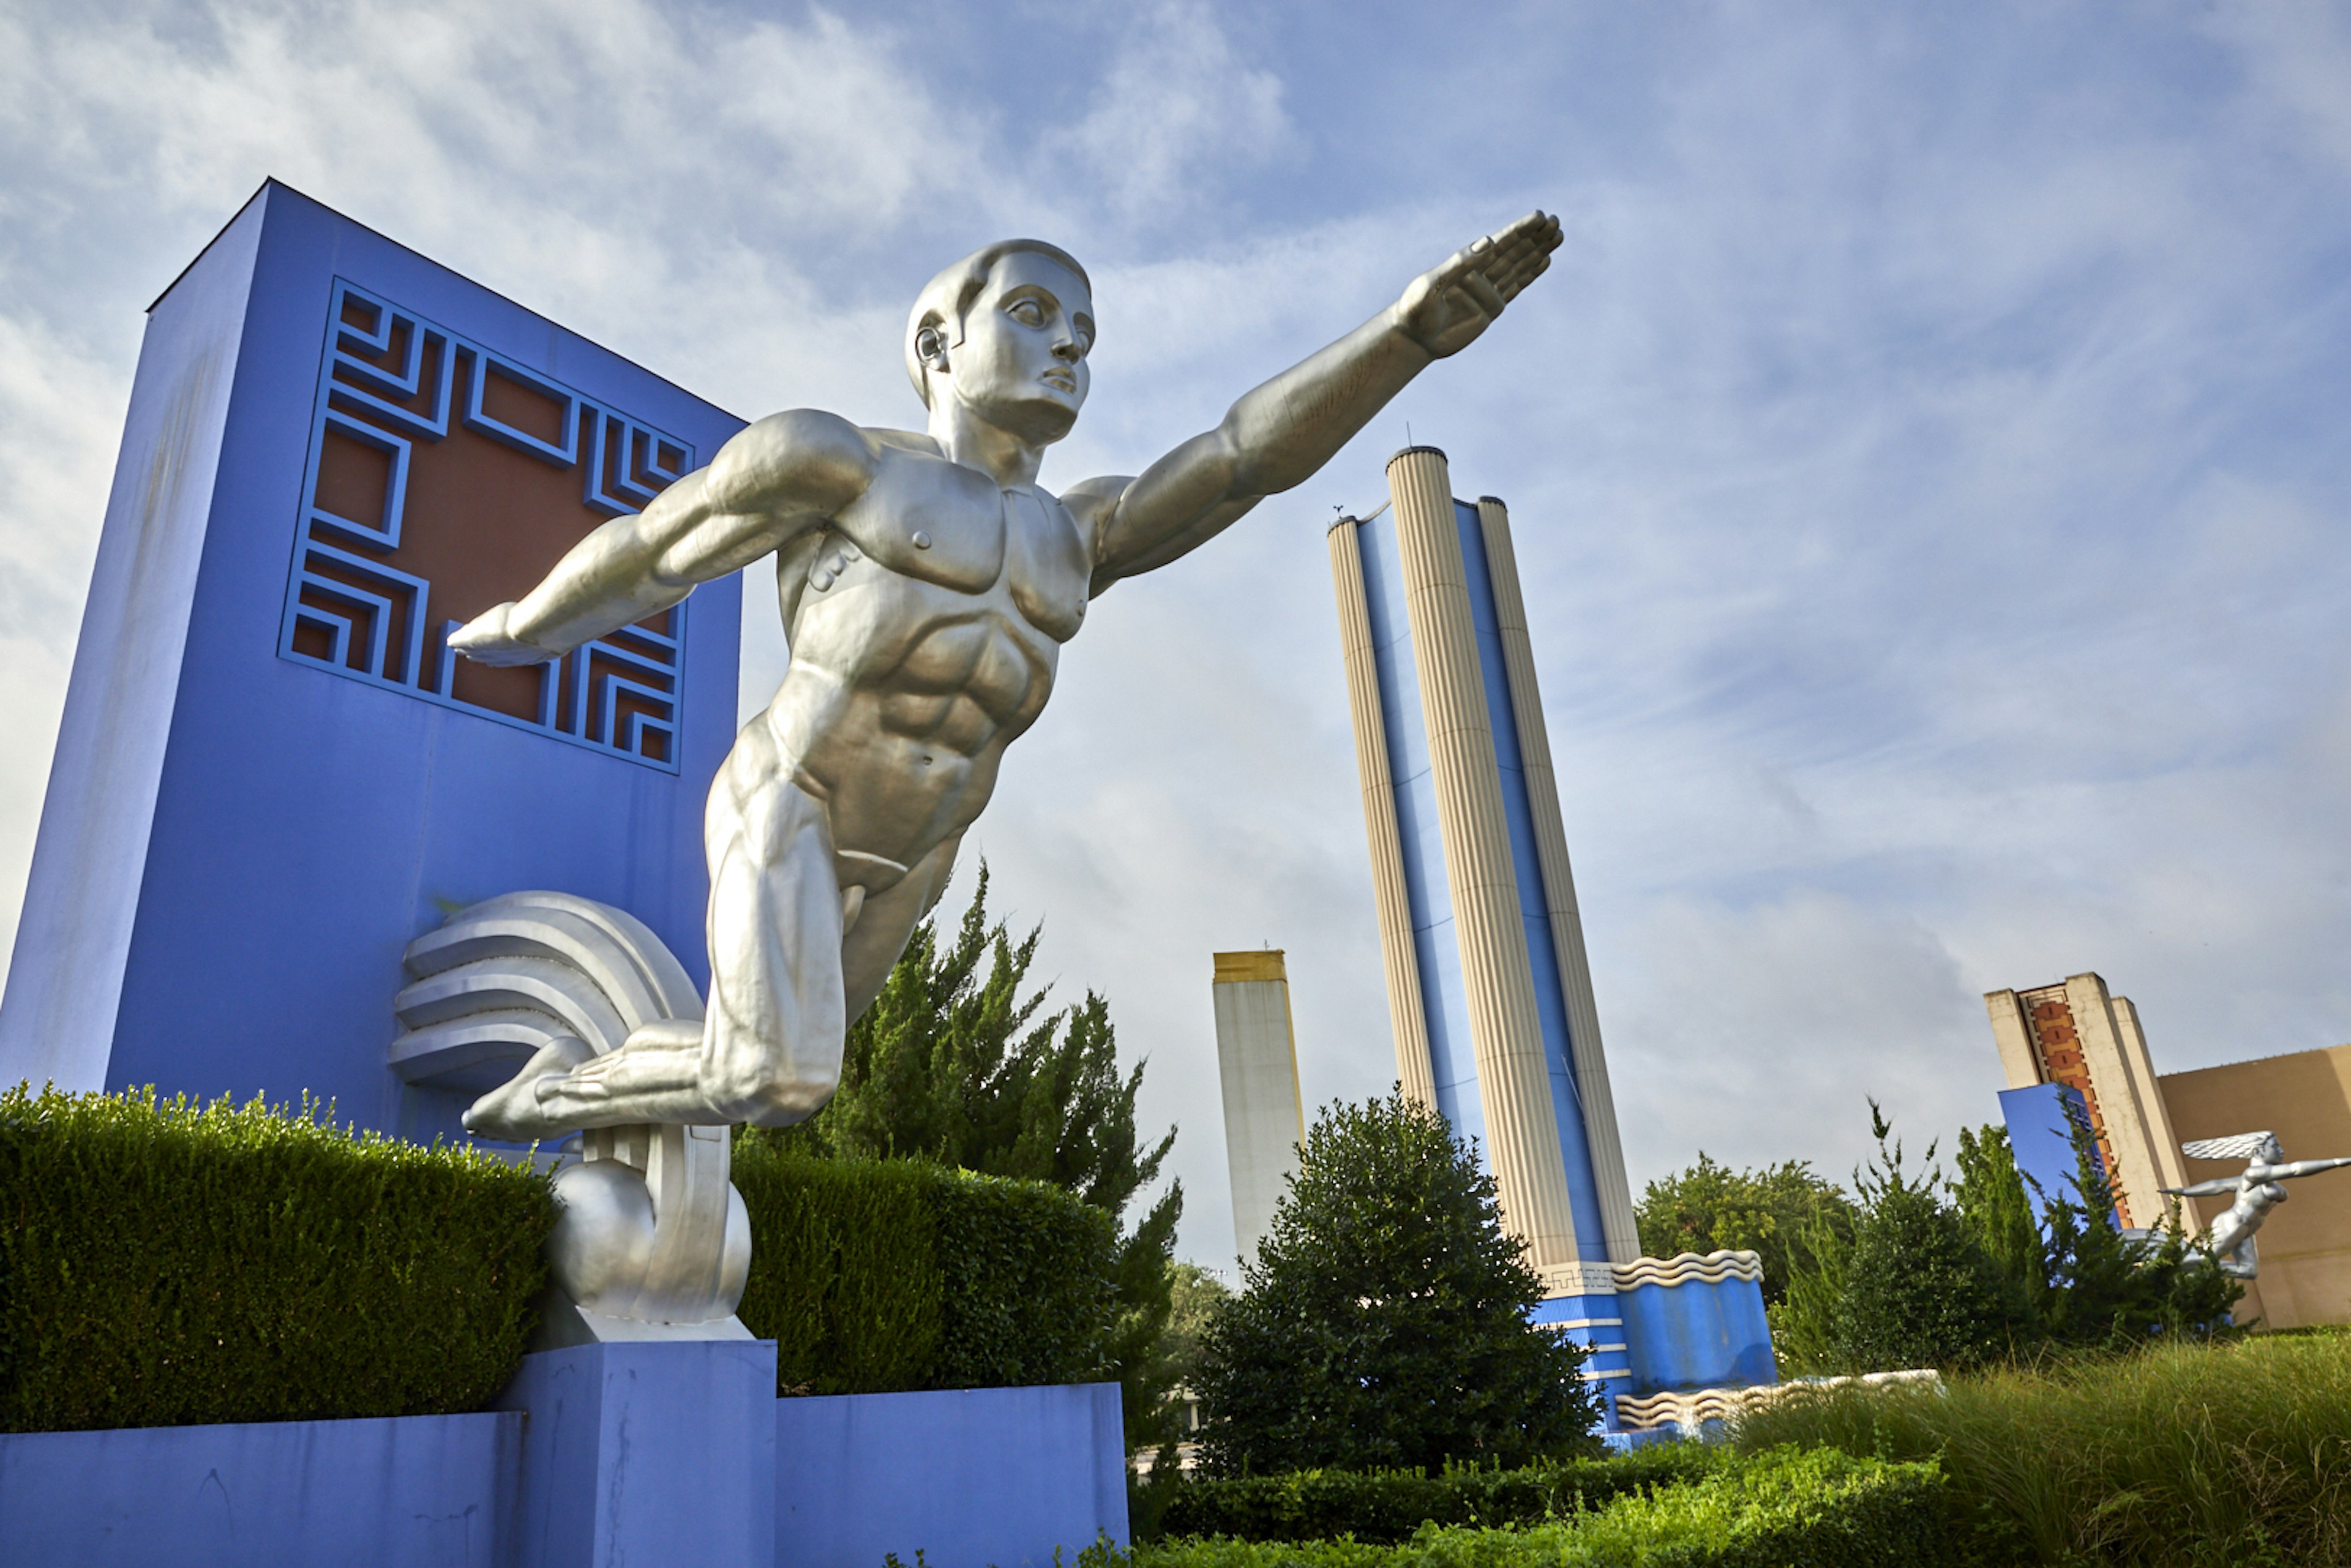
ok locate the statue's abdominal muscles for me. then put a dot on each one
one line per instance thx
(904, 690)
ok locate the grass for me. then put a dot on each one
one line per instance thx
(2185, 1455)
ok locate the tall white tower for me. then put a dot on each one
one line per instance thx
(1257, 1060)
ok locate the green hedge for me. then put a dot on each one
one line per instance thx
(874, 1276)
(167, 1264)
(1389, 1506)
(1783, 1509)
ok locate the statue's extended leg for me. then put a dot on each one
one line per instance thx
(772, 1046)
(768, 1050)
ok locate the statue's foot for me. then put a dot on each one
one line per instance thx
(516, 1111)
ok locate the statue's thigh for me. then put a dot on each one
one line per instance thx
(774, 938)
(886, 923)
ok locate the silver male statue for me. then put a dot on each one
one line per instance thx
(2258, 1191)
(927, 585)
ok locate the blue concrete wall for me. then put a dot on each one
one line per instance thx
(419, 1492)
(308, 824)
(981, 1476)
(674, 1453)
(2041, 1120)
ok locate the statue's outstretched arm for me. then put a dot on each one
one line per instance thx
(1280, 434)
(774, 479)
(2205, 1188)
(2306, 1167)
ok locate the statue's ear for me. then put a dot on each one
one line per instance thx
(931, 346)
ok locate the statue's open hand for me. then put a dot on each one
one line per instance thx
(485, 639)
(1445, 308)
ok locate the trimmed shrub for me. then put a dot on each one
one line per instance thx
(876, 1276)
(164, 1263)
(844, 1270)
(1384, 1507)
(1029, 1276)
(1819, 1508)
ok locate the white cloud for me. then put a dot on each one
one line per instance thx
(1923, 459)
(1179, 109)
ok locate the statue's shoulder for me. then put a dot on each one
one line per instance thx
(1090, 502)
(912, 441)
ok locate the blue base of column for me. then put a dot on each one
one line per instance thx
(1595, 1322)
(1698, 1333)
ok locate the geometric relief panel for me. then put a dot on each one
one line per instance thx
(444, 478)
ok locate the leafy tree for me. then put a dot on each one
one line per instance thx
(1709, 1207)
(1942, 1274)
(1195, 1295)
(957, 1062)
(1919, 1289)
(1804, 1321)
(1384, 1322)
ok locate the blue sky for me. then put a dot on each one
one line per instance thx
(1927, 457)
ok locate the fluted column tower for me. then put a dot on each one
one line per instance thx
(1489, 991)
(1513, 1076)
(1407, 1019)
(1615, 1196)
(1488, 986)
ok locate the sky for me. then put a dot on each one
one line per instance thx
(1927, 459)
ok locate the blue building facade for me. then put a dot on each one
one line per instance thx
(272, 774)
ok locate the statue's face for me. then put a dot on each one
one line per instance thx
(1021, 365)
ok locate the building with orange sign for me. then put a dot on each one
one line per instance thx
(2079, 1034)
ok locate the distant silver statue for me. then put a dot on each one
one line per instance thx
(927, 585)
(2258, 1191)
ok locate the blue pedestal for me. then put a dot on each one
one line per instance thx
(647, 1453)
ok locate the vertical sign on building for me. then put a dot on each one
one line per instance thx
(2078, 1034)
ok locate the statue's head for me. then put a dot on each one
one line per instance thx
(1006, 332)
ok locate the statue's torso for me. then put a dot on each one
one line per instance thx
(925, 627)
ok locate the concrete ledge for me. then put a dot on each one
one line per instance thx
(412, 1490)
(601, 1454)
(997, 1477)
